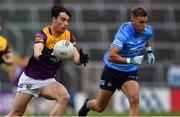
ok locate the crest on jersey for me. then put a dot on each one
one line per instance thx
(28, 86)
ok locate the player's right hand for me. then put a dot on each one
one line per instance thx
(48, 58)
(137, 59)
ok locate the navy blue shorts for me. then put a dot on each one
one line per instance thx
(112, 79)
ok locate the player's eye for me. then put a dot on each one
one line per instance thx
(143, 22)
(69, 20)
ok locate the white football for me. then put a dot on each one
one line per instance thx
(63, 49)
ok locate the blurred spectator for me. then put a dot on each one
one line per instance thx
(6, 55)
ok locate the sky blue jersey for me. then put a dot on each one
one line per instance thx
(130, 43)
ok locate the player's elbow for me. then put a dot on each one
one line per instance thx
(111, 57)
(36, 55)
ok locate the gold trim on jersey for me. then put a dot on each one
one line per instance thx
(38, 39)
(3, 44)
(51, 39)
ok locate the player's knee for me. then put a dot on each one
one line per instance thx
(134, 100)
(64, 98)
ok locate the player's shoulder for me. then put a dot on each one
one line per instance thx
(42, 33)
(125, 29)
(125, 26)
(148, 30)
(45, 30)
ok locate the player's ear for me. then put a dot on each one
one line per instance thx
(132, 18)
(53, 19)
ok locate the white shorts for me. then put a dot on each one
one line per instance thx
(32, 86)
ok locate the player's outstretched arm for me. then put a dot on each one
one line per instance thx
(39, 54)
(76, 56)
(38, 48)
(114, 57)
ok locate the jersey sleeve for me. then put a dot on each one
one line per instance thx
(40, 37)
(119, 39)
(149, 31)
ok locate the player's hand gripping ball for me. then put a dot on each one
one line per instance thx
(63, 50)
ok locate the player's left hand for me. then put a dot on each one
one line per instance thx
(151, 58)
(83, 57)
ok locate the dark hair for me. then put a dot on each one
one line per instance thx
(138, 11)
(56, 9)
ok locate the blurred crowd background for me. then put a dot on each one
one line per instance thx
(94, 23)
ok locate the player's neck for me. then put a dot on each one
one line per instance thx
(54, 31)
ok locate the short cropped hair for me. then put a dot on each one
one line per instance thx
(138, 11)
(56, 9)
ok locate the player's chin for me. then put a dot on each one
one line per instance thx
(63, 30)
(140, 30)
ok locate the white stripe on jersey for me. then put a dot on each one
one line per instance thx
(117, 42)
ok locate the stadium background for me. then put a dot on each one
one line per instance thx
(94, 23)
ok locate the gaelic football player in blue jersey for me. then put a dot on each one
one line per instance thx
(38, 78)
(121, 60)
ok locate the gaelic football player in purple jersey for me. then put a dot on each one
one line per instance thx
(38, 78)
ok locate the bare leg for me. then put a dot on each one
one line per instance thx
(98, 104)
(20, 103)
(101, 102)
(58, 92)
(131, 90)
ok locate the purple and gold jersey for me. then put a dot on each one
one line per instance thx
(4, 47)
(38, 69)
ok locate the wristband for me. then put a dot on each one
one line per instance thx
(128, 60)
(149, 50)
